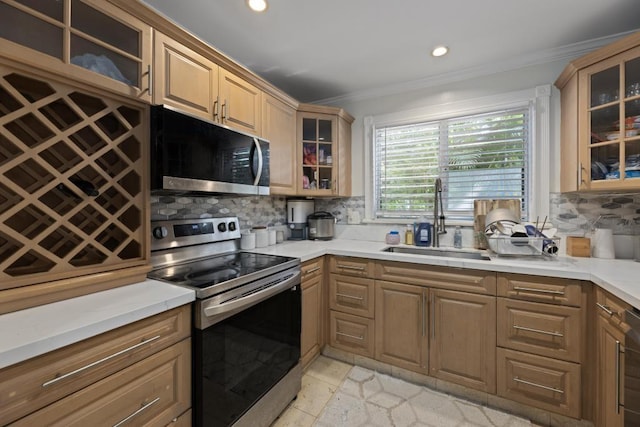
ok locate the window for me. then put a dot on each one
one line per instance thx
(481, 156)
(496, 146)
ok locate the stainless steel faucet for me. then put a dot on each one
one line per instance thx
(438, 219)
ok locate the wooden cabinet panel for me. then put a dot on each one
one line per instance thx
(463, 338)
(151, 392)
(550, 384)
(351, 333)
(37, 382)
(474, 281)
(610, 366)
(350, 266)
(312, 311)
(183, 78)
(240, 103)
(540, 289)
(401, 325)
(279, 128)
(544, 329)
(352, 295)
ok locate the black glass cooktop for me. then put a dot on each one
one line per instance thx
(207, 272)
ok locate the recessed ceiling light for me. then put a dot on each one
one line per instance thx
(257, 5)
(439, 51)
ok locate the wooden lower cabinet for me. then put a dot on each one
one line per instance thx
(312, 337)
(35, 383)
(542, 382)
(151, 392)
(183, 420)
(610, 367)
(351, 333)
(353, 295)
(401, 325)
(543, 329)
(462, 345)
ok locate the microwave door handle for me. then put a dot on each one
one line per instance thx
(259, 172)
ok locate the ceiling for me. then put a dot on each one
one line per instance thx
(331, 49)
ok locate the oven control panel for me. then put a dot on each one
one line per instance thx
(184, 232)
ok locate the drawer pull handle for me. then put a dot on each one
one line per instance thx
(97, 362)
(351, 267)
(538, 331)
(605, 308)
(312, 270)
(540, 291)
(142, 408)
(361, 338)
(350, 296)
(555, 390)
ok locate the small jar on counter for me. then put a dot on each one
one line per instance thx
(408, 235)
(392, 238)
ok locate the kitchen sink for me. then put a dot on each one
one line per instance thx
(437, 252)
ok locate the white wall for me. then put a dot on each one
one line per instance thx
(525, 78)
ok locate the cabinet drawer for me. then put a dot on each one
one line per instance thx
(351, 266)
(351, 333)
(151, 392)
(544, 329)
(540, 289)
(549, 384)
(455, 279)
(611, 308)
(351, 295)
(35, 383)
(312, 268)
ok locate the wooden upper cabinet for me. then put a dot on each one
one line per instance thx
(323, 151)
(183, 78)
(279, 128)
(600, 134)
(240, 103)
(195, 84)
(90, 41)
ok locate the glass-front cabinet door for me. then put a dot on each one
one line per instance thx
(610, 140)
(94, 35)
(317, 153)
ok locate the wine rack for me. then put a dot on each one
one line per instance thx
(73, 198)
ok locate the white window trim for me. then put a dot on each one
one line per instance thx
(537, 99)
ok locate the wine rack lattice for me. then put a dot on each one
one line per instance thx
(72, 181)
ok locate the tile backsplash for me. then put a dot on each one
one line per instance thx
(251, 210)
(573, 214)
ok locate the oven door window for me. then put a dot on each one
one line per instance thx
(241, 358)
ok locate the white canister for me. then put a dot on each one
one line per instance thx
(279, 236)
(262, 237)
(272, 237)
(602, 244)
(247, 240)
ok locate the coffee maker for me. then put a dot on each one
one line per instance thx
(297, 212)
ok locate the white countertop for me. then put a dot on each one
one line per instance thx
(34, 331)
(620, 277)
(28, 333)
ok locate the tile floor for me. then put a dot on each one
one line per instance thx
(335, 393)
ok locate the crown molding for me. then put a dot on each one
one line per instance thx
(567, 53)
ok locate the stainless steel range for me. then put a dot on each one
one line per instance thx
(247, 316)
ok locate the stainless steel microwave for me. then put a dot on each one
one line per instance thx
(192, 155)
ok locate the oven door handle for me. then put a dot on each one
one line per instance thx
(246, 301)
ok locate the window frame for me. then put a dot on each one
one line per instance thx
(537, 100)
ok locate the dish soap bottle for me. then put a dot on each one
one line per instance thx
(408, 235)
(457, 238)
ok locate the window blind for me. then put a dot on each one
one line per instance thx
(477, 157)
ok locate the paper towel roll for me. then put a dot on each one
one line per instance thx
(602, 244)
